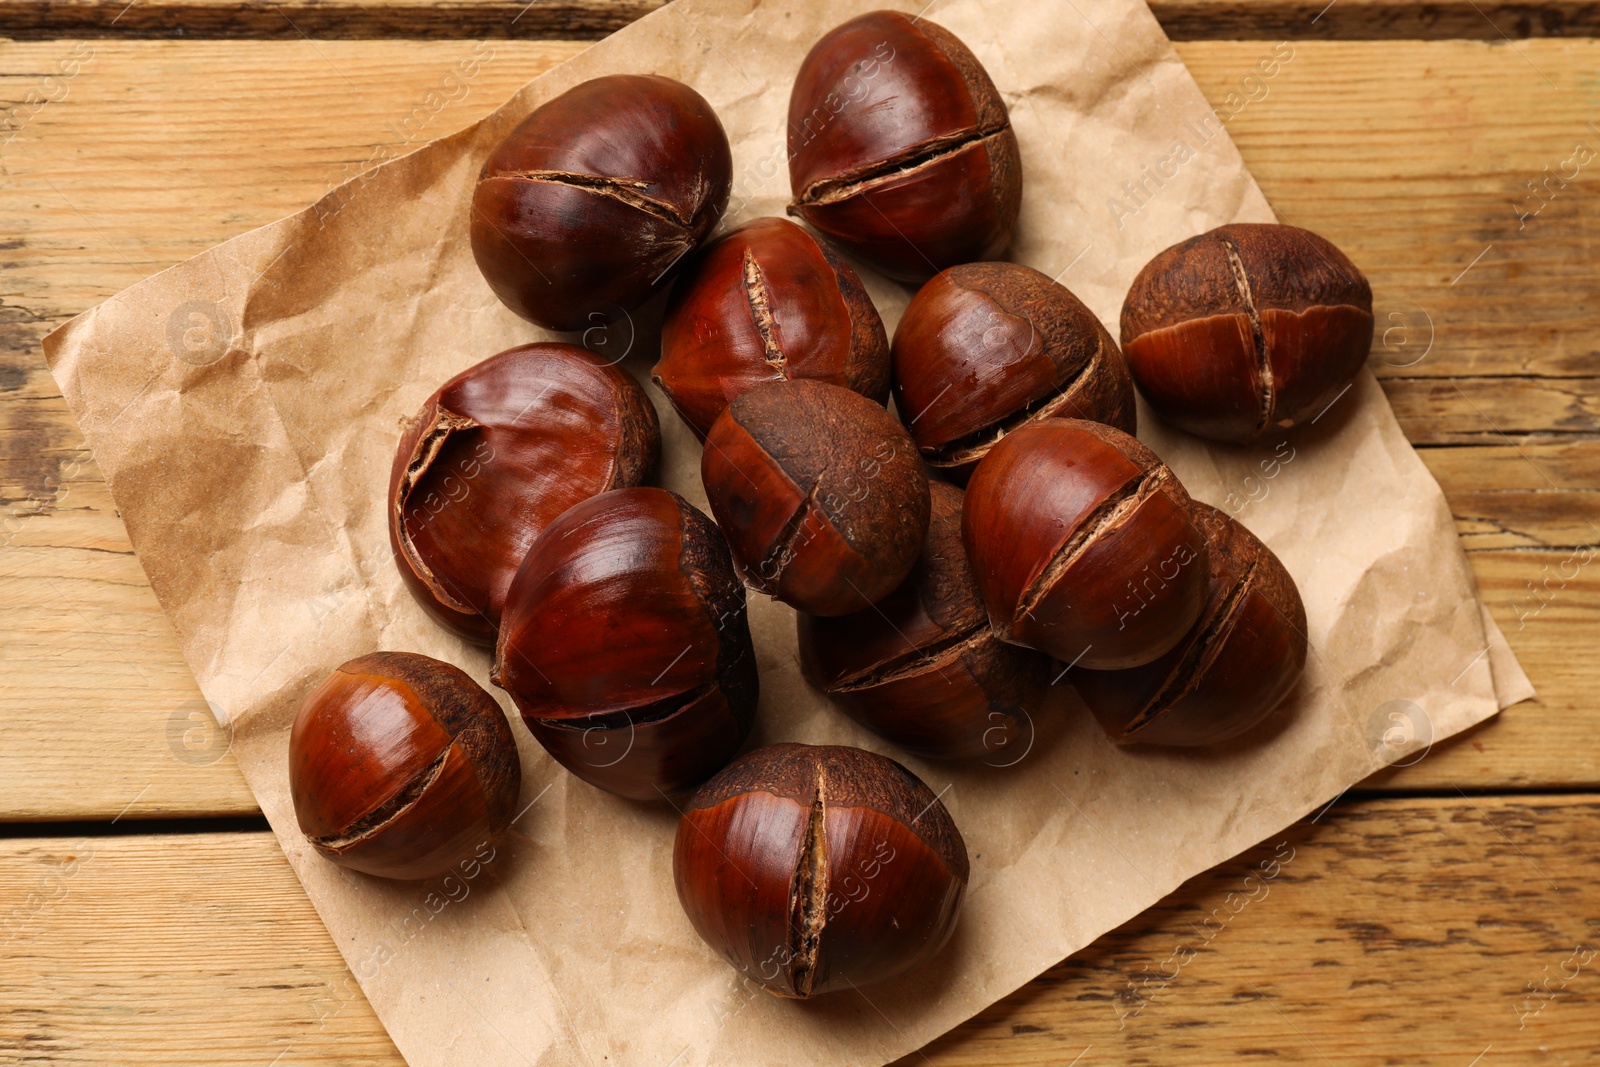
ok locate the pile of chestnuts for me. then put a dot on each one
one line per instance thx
(997, 531)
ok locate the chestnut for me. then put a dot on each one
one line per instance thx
(901, 148)
(816, 868)
(763, 303)
(1246, 328)
(584, 208)
(493, 457)
(1083, 545)
(921, 667)
(626, 646)
(1239, 661)
(820, 492)
(400, 765)
(984, 348)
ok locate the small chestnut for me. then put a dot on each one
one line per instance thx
(584, 209)
(1083, 545)
(984, 348)
(1240, 660)
(816, 868)
(821, 494)
(922, 667)
(763, 303)
(901, 148)
(493, 457)
(400, 765)
(1246, 328)
(626, 646)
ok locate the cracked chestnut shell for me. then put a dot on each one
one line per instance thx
(767, 302)
(820, 493)
(585, 207)
(626, 646)
(817, 868)
(1083, 544)
(901, 148)
(1249, 327)
(984, 348)
(493, 457)
(921, 667)
(400, 765)
(1240, 660)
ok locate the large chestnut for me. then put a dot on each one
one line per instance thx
(584, 209)
(400, 765)
(1237, 663)
(626, 646)
(493, 457)
(984, 348)
(764, 303)
(816, 868)
(1247, 328)
(1083, 545)
(900, 147)
(921, 667)
(820, 492)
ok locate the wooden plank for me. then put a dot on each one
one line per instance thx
(1522, 493)
(1421, 931)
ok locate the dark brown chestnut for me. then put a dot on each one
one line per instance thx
(585, 208)
(1250, 327)
(816, 868)
(493, 457)
(763, 303)
(1083, 545)
(921, 667)
(984, 348)
(1239, 661)
(820, 492)
(401, 765)
(901, 148)
(626, 646)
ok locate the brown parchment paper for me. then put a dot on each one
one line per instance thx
(245, 405)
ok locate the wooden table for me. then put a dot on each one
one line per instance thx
(1444, 913)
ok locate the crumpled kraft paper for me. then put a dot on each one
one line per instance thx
(245, 405)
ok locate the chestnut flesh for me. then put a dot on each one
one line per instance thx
(400, 765)
(1246, 328)
(626, 646)
(817, 868)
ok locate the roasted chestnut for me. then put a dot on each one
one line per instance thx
(1237, 663)
(1083, 545)
(900, 147)
(820, 492)
(493, 457)
(816, 868)
(763, 303)
(626, 646)
(921, 667)
(584, 209)
(1250, 327)
(400, 765)
(984, 348)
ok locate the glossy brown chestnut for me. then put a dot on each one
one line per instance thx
(493, 457)
(900, 147)
(764, 303)
(984, 348)
(820, 492)
(1240, 660)
(1083, 545)
(816, 868)
(626, 646)
(1247, 328)
(921, 667)
(400, 765)
(584, 209)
